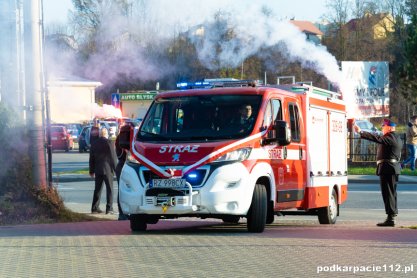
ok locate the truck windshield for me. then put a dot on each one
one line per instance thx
(201, 117)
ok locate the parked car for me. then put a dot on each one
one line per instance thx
(60, 138)
(364, 150)
(133, 123)
(84, 139)
(74, 129)
(111, 126)
(366, 125)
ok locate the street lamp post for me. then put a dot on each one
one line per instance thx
(34, 90)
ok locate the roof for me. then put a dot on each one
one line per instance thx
(368, 19)
(73, 81)
(307, 27)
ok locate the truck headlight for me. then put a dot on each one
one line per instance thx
(237, 155)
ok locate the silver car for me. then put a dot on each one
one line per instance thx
(111, 128)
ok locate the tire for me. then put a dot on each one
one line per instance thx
(270, 215)
(137, 223)
(258, 210)
(80, 147)
(328, 215)
(233, 219)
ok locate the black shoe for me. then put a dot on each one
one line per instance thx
(110, 211)
(387, 223)
(95, 211)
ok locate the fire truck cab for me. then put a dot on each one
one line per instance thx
(233, 152)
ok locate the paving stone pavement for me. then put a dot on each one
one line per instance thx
(194, 248)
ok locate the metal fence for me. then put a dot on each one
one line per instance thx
(361, 150)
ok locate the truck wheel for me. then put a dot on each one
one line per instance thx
(137, 223)
(80, 147)
(328, 215)
(257, 212)
(234, 219)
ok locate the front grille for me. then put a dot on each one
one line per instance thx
(165, 192)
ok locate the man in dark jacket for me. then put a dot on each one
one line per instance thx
(102, 167)
(388, 166)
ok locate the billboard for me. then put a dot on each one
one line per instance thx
(367, 92)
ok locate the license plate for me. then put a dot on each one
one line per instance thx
(177, 183)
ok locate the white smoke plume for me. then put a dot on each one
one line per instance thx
(106, 111)
(122, 51)
(257, 30)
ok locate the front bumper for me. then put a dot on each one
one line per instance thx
(225, 190)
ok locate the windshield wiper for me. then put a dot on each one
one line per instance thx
(205, 137)
(153, 134)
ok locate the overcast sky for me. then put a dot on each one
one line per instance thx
(192, 11)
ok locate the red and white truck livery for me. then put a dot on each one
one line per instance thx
(237, 152)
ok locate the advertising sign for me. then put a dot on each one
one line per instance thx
(367, 93)
(138, 96)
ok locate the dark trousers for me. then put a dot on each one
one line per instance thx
(118, 173)
(97, 192)
(389, 193)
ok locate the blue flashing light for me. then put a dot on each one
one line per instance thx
(192, 176)
(194, 85)
(182, 84)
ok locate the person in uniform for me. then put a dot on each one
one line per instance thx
(245, 119)
(246, 115)
(101, 168)
(388, 166)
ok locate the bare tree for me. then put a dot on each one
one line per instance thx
(337, 17)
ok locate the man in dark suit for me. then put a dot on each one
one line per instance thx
(102, 167)
(388, 166)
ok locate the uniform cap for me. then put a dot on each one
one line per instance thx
(388, 122)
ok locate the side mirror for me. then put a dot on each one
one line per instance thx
(124, 137)
(283, 133)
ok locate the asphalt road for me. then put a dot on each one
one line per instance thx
(364, 199)
(290, 247)
(69, 161)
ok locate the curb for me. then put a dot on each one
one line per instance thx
(73, 178)
(376, 181)
(408, 180)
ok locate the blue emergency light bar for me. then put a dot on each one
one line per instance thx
(193, 85)
(220, 82)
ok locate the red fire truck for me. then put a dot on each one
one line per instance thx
(236, 150)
